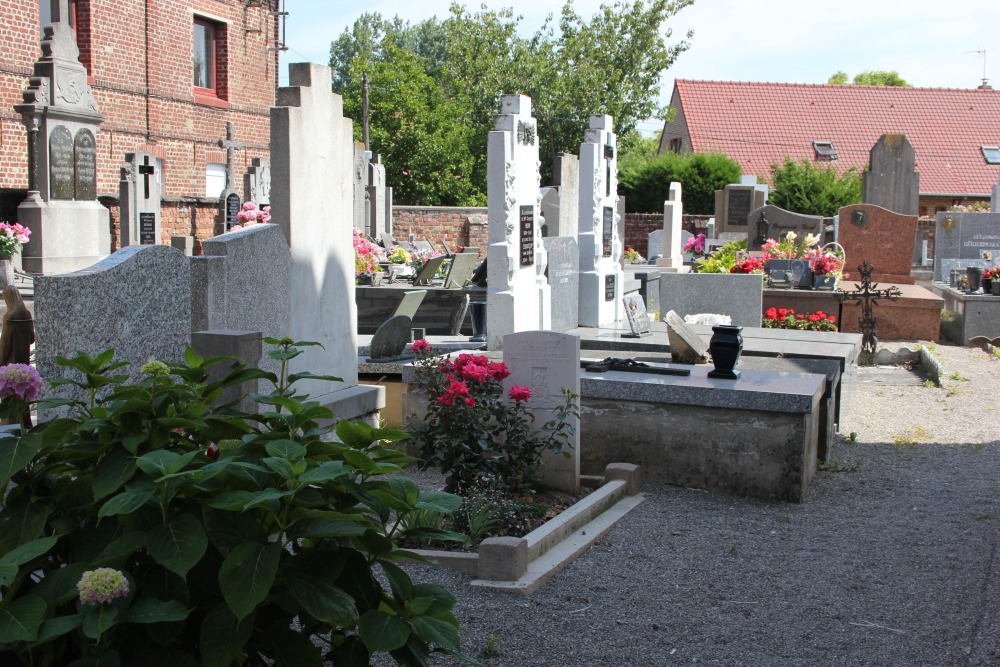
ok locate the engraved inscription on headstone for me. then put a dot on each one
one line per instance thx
(85, 163)
(527, 235)
(61, 168)
(233, 206)
(635, 311)
(740, 205)
(147, 229)
(609, 287)
(609, 225)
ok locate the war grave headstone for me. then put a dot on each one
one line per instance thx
(312, 153)
(359, 176)
(893, 183)
(601, 274)
(881, 237)
(965, 236)
(672, 259)
(733, 205)
(379, 198)
(463, 265)
(635, 313)
(230, 198)
(70, 229)
(125, 317)
(564, 281)
(139, 197)
(257, 182)
(518, 296)
(771, 222)
(547, 362)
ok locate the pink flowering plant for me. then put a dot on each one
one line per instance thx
(367, 254)
(478, 433)
(251, 215)
(12, 237)
(696, 246)
(20, 386)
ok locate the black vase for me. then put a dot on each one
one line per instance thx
(726, 346)
(478, 321)
(975, 276)
(987, 285)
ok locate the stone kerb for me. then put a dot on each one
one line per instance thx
(137, 301)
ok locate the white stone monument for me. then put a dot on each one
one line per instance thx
(601, 275)
(312, 152)
(139, 198)
(257, 182)
(518, 298)
(547, 362)
(672, 259)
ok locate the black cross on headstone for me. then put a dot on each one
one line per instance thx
(146, 170)
(231, 146)
(867, 295)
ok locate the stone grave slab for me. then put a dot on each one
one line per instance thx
(882, 237)
(564, 281)
(771, 222)
(965, 236)
(635, 314)
(429, 270)
(463, 265)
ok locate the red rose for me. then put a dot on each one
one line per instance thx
(519, 393)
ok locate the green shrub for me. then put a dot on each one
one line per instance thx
(806, 188)
(241, 539)
(646, 184)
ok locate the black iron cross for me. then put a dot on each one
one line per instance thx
(146, 170)
(867, 295)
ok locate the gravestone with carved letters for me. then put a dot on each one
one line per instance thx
(379, 198)
(883, 237)
(733, 205)
(601, 275)
(771, 222)
(257, 182)
(139, 194)
(70, 229)
(972, 238)
(518, 296)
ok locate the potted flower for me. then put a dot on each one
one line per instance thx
(366, 258)
(12, 238)
(695, 246)
(251, 215)
(827, 269)
(749, 265)
(632, 256)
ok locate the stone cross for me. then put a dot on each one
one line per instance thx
(231, 146)
(60, 11)
(146, 170)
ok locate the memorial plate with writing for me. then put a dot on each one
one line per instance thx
(527, 234)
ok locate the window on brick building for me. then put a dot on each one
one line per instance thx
(215, 179)
(209, 60)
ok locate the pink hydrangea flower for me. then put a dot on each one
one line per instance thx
(101, 586)
(20, 380)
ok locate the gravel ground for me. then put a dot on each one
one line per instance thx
(890, 561)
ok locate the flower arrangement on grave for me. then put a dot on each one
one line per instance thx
(974, 207)
(749, 265)
(786, 318)
(367, 254)
(788, 248)
(827, 264)
(724, 259)
(696, 246)
(480, 436)
(398, 255)
(12, 238)
(421, 257)
(632, 256)
(158, 510)
(251, 215)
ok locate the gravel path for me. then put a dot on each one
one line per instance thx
(890, 561)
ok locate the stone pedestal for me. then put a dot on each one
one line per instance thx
(66, 236)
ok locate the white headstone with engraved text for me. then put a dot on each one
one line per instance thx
(601, 275)
(673, 217)
(547, 362)
(139, 197)
(518, 298)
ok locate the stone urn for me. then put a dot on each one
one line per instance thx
(975, 277)
(987, 285)
(725, 347)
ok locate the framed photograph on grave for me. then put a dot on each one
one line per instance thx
(638, 318)
(527, 233)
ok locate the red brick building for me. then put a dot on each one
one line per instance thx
(167, 75)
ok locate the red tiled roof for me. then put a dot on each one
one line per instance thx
(757, 124)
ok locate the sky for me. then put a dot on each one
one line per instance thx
(931, 43)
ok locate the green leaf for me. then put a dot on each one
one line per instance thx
(295, 377)
(382, 632)
(19, 621)
(7, 573)
(163, 462)
(352, 653)
(359, 460)
(60, 585)
(15, 453)
(23, 521)
(291, 649)
(437, 631)
(232, 500)
(179, 545)
(328, 528)
(112, 472)
(222, 637)
(323, 601)
(56, 627)
(228, 530)
(406, 489)
(192, 358)
(125, 502)
(324, 472)
(121, 547)
(285, 449)
(247, 574)
(98, 619)
(399, 581)
(356, 434)
(151, 610)
(29, 551)
(268, 497)
(438, 501)
(280, 466)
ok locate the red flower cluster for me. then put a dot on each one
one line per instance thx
(421, 345)
(749, 265)
(990, 273)
(519, 393)
(786, 318)
(820, 315)
(468, 368)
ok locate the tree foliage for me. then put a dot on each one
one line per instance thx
(646, 183)
(457, 68)
(870, 78)
(806, 188)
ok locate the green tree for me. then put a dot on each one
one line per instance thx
(806, 188)
(871, 78)
(646, 184)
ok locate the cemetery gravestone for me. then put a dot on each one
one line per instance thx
(360, 184)
(463, 265)
(601, 273)
(61, 164)
(139, 198)
(379, 197)
(654, 244)
(733, 205)
(566, 183)
(892, 181)
(564, 281)
(547, 362)
(880, 236)
(84, 165)
(673, 217)
(257, 182)
(965, 236)
(518, 297)
(635, 313)
(230, 199)
(429, 270)
(771, 222)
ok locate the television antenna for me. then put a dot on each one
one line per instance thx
(982, 54)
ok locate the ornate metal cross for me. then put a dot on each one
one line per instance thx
(231, 146)
(146, 170)
(867, 295)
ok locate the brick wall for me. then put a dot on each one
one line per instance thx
(453, 225)
(200, 217)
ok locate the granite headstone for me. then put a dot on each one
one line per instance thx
(965, 236)
(771, 222)
(882, 237)
(564, 281)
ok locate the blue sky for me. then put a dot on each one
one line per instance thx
(796, 41)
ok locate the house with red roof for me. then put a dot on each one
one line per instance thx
(955, 132)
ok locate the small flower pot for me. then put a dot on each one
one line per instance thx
(987, 285)
(975, 276)
(825, 282)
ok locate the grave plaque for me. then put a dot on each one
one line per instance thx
(233, 206)
(610, 283)
(740, 205)
(147, 229)
(971, 237)
(61, 167)
(635, 311)
(608, 230)
(85, 164)
(527, 227)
